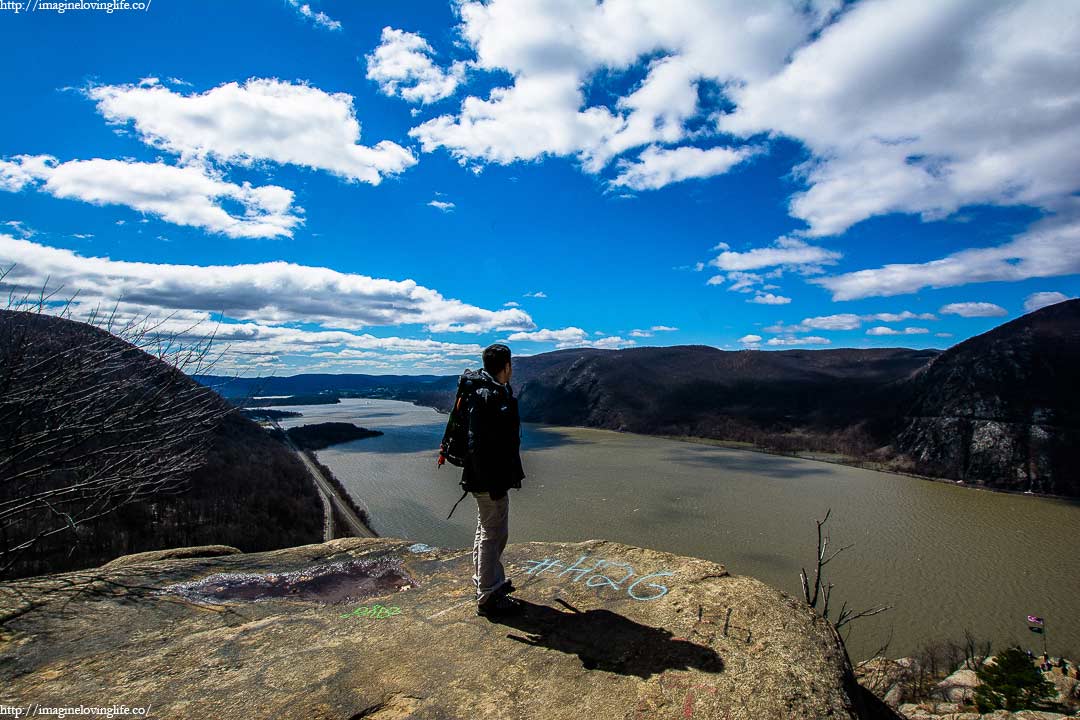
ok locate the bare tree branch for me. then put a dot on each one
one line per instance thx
(822, 590)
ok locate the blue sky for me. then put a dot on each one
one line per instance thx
(544, 173)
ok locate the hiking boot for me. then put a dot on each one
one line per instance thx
(506, 588)
(498, 606)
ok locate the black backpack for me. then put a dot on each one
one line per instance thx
(455, 439)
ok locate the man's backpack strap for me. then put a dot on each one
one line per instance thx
(456, 504)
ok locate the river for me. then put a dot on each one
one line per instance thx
(946, 557)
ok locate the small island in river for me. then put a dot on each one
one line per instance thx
(322, 435)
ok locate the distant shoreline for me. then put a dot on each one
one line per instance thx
(816, 457)
(850, 462)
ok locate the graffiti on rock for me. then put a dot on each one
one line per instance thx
(614, 575)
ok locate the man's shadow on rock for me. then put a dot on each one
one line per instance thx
(604, 640)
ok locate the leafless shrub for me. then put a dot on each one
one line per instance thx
(89, 422)
(822, 590)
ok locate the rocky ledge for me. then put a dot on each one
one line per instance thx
(383, 628)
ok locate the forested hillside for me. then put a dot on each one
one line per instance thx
(107, 450)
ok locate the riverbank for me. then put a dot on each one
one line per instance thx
(340, 509)
(837, 459)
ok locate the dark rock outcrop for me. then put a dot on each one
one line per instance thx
(385, 628)
(1001, 409)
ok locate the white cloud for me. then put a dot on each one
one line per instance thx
(750, 339)
(260, 120)
(842, 321)
(524, 122)
(444, 206)
(943, 335)
(349, 353)
(900, 316)
(402, 65)
(1051, 247)
(20, 227)
(974, 309)
(740, 281)
(926, 107)
(611, 342)
(847, 321)
(769, 299)
(663, 328)
(246, 345)
(567, 334)
(257, 337)
(271, 293)
(511, 303)
(553, 50)
(182, 195)
(569, 337)
(785, 252)
(657, 167)
(807, 340)
(1038, 300)
(640, 333)
(883, 330)
(23, 170)
(319, 19)
(537, 294)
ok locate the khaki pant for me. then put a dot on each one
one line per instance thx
(492, 530)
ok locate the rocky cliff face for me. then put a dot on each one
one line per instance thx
(1002, 409)
(384, 628)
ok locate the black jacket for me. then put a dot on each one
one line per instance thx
(492, 460)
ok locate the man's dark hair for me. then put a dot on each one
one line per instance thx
(495, 357)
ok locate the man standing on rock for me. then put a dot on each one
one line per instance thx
(492, 467)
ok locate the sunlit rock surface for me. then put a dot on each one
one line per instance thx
(385, 628)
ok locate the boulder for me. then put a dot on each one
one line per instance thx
(369, 628)
(960, 686)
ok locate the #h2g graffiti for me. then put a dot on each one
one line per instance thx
(638, 590)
